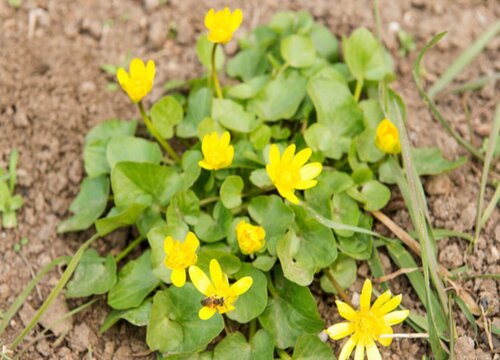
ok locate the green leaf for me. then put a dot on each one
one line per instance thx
(344, 270)
(290, 313)
(427, 161)
(260, 347)
(366, 149)
(128, 148)
(280, 98)
(232, 116)
(214, 228)
(273, 215)
(111, 129)
(131, 180)
(174, 325)
(264, 262)
(310, 347)
(117, 218)
(260, 178)
(358, 246)
(248, 63)
(165, 114)
(229, 263)
(230, 191)
(93, 275)
(249, 89)
(345, 210)
(376, 195)
(320, 138)
(305, 249)
(364, 56)
(252, 303)
(135, 281)
(260, 137)
(138, 316)
(184, 206)
(96, 143)
(199, 107)
(325, 42)
(373, 113)
(204, 52)
(283, 21)
(88, 205)
(192, 170)
(298, 51)
(329, 183)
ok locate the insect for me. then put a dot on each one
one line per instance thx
(213, 301)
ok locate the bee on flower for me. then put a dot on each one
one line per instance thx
(290, 172)
(387, 137)
(217, 151)
(138, 82)
(368, 324)
(180, 256)
(219, 295)
(222, 24)
(251, 238)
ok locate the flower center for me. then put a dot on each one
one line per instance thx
(180, 258)
(368, 325)
(287, 177)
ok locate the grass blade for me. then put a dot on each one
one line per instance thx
(475, 84)
(491, 206)
(467, 313)
(14, 157)
(464, 59)
(9, 314)
(492, 142)
(432, 106)
(55, 292)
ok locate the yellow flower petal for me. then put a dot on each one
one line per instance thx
(210, 18)
(150, 70)
(302, 157)
(347, 349)
(241, 286)
(191, 242)
(288, 154)
(137, 68)
(396, 317)
(340, 330)
(391, 304)
(366, 295)
(372, 352)
(236, 19)
(218, 278)
(123, 78)
(229, 155)
(201, 281)
(310, 171)
(206, 312)
(274, 154)
(381, 300)
(168, 244)
(346, 311)
(178, 277)
(386, 341)
(306, 184)
(225, 139)
(205, 165)
(360, 351)
(292, 198)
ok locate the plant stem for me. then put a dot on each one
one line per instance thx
(55, 292)
(214, 73)
(283, 354)
(152, 129)
(405, 336)
(337, 287)
(359, 87)
(270, 286)
(253, 328)
(129, 248)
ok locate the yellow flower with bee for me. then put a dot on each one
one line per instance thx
(219, 295)
(180, 256)
(290, 171)
(368, 324)
(387, 137)
(222, 24)
(138, 82)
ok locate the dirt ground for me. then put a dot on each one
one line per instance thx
(52, 92)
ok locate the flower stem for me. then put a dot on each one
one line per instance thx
(359, 87)
(270, 286)
(405, 336)
(152, 129)
(214, 73)
(129, 248)
(337, 287)
(283, 354)
(253, 328)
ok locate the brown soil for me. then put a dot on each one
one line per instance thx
(52, 92)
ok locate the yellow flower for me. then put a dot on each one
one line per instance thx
(217, 152)
(222, 24)
(368, 324)
(180, 256)
(251, 238)
(289, 172)
(139, 82)
(219, 295)
(387, 137)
